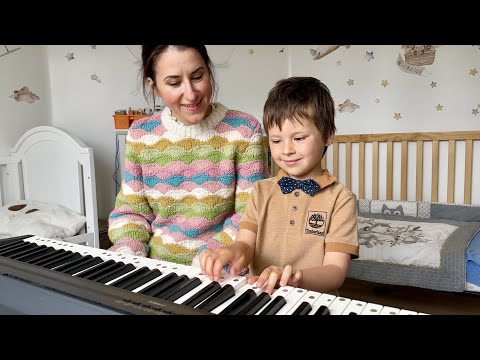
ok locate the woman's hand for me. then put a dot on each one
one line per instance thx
(273, 275)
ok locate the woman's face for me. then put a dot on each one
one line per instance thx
(183, 82)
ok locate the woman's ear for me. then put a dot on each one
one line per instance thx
(151, 84)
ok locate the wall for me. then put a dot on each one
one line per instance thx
(23, 67)
(83, 104)
(412, 96)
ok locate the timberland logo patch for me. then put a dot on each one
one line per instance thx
(316, 221)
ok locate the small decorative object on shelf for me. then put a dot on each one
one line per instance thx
(123, 118)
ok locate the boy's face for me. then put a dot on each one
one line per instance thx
(298, 148)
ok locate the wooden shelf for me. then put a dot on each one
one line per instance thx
(124, 121)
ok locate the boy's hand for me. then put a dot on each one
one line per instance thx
(270, 276)
(213, 260)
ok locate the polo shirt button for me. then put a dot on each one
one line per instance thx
(294, 207)
(292, 222)
(296, 193)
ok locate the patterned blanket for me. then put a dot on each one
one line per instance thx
(405, 250)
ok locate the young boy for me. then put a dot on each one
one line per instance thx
(301, 234)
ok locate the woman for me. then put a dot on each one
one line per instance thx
(189, 170)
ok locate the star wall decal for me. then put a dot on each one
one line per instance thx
(473, 71)
(376, 101)
(397, 116)
(369, 56)
(385, 83)
(350, 82)
(251, 51)
(433, 84)
(475, 111)
(439, 107)
(94, 77)
(69, 56)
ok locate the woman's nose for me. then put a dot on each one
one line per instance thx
(190, 92)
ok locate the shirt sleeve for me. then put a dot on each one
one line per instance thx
(342, 235)
(129, 223)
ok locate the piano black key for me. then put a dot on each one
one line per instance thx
(133, 276)
(28, 251)
(83, 266)
(242, 302)
(172, 287)
(322, 310)
(185, 288)
(261, 300)
(218, 298)
(46, 257)
(149, 276)
(198, 297)
(61, 260)
(9, 244)
(115, 274)
(303, 309)
(99, 273)
(274, 306)
(15, 239)
(70, 264)
(158, 285)
(94, 269)
(42, 250)
(12, 250)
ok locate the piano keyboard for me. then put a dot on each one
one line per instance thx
(136, 285)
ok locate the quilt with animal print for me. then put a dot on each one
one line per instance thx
(405, 250)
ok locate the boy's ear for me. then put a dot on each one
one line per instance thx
(330, 140)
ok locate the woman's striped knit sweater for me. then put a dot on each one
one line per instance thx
(186, 187)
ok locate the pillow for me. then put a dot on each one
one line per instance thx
(460, 212)
(27, 217)
(395, 207)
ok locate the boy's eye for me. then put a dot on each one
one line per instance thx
(275, 141)
(299, 138)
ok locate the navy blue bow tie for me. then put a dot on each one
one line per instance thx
(287, 185)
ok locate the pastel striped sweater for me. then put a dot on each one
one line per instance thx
(186, 187)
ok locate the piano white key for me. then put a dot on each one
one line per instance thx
(355, 306)
(309, 297)
(387, 310)
(407, 312)
(238, 293)
(281, 291)
(325, 300)
(372, 309)
(339, 305)
(292, 300)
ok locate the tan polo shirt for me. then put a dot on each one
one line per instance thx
(297, 228)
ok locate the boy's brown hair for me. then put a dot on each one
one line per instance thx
(300, 97)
